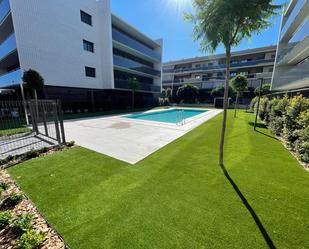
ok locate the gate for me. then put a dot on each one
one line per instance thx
(31, 125)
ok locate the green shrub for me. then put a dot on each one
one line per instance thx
(302, 144)
(265, 90)
(21, 224)
(31, 154)
(303, 119)
(297, 105)
(252, 104)
(12, 200)
(263, 108)
(276, 125)
(5, 218)
(70, 144)
(4, 186)
(30, 240)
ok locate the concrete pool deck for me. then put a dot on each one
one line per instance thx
(129, 140)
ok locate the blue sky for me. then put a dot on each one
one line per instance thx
(164, 19)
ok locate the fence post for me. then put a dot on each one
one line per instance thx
(33, 117)
(56, 119)
(60, 111)
(44, 117)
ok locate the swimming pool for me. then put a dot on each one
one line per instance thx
(173, 116)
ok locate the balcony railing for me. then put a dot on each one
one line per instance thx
(133, 65)
(221, 66)
(124, 84)
(10, 79)
(8, 46)
(128, 41)
(4, 9)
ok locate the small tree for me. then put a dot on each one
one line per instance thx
(34, 81)
(264, 91)
(239, 84)
(187, 92)
(219, 91)
(134, 86)
(168, 93)
(228, 22)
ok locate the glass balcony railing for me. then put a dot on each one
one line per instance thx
(130, 42)
(10, 79)
(4, 9)
(124, 84)
(133, 65)
(221, 66)
(8, 46)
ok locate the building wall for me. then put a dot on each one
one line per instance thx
(292, 62)
(209, 72)
(50, 37)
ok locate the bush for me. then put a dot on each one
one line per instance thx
(30, 240)
(31, 154)
(70, 144)
(253, 104)
(21, 224)
(265, 90)
(263, 108)
(276, 125)
(12, 201)
(4, 186)
(302, 144)
(5, 218)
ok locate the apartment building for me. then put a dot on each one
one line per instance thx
(292, 62)
(84, 52)
(209, 72)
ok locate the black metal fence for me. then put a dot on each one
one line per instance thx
(31, 125)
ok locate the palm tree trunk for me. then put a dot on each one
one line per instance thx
(236, 104)
(225, 104)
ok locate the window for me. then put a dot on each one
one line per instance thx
(273, 56)
(90, 72)
(88, 46)
(198, 65)
(86, 18)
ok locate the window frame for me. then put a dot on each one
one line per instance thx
(88, 46)
(84, 15)
(87, 68)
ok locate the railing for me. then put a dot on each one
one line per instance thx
(10, 79)
(133, 65)
(130, 42)
(221, 66)
(8, 46)
(4, 9)
(124, 84)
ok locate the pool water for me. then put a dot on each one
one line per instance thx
(174, 116)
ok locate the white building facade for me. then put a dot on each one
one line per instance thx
(292, 62)
(84, 53)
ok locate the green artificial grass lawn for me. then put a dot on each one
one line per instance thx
(10, 132)
(178, 197)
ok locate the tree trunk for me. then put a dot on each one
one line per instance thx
(236, 104)
(225, 104)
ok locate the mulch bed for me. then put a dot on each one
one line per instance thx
(8, 239)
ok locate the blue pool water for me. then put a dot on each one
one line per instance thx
(168, 116)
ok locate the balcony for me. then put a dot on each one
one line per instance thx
(135, 66)
(131, 43)
(221, 67)
(124, 84)
(4, 9)
(10, 79)
(8, 46)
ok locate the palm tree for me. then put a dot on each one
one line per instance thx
(239, 84)
(228, 22)
(134, 86)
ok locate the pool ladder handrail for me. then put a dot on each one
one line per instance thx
(181, 117)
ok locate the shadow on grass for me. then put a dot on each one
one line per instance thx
(250, 209)
(262, 126)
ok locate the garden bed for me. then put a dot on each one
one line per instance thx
(8, 239)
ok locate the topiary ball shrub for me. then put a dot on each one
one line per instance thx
(11, 201)
(30, 240)
(5, 218)
(21, 224)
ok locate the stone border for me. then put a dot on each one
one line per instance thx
(8, 240)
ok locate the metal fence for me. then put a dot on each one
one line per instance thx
(31, 125)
